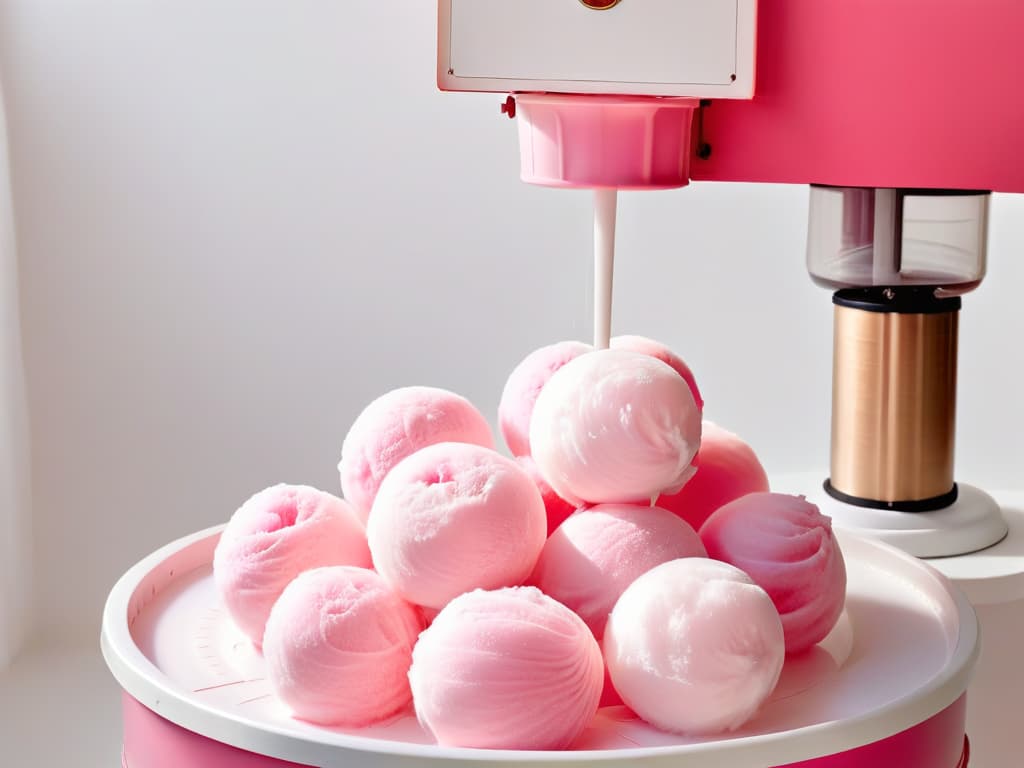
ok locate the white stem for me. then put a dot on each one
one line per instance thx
(605, 205)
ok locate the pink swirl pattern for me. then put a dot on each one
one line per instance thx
(787, 547)
(508, 669)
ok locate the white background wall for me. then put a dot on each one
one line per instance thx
(239, 221)
(15, 521)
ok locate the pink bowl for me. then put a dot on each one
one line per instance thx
(620, 142)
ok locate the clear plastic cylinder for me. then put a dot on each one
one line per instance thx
(862, 237)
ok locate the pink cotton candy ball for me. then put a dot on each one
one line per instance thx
(694, 647)
(524, 386)
(508, 669)
(656, 349)
(397, 425)
(787, 547)
(557, 508)
(272, 538)
(339, 646)
(594, 555)
(727, 468)
(455, 517)
(614, 426)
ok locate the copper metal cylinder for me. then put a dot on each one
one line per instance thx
(894, 398)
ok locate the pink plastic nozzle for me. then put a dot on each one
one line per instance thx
(611, 142)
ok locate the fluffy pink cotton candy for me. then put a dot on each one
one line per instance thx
(272, 538)
(557, 508)
(614, 426)
(339, 645)
(397, 425)
(455, 517)
(523, 387)
(509, 669)
(656, 349)
(727, 468)
(787, 547)
(594, 555)
(694, 647)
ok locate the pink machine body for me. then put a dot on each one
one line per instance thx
(877, 93)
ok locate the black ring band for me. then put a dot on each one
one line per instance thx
(917, 505)
(901, 300)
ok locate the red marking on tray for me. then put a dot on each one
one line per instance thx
(255, 698)
(225, 685)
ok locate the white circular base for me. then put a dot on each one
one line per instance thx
(971, 523)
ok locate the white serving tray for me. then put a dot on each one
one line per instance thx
(901, 653)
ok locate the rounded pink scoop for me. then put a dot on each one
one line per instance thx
(694, 647)
(523, 387)
(508, 669)
(396, 425)
(339, 645)
(272, 538)
(614, 426)
(727, 468)
(594, 555)
(787, 547)
(455, 517)
(656, 349)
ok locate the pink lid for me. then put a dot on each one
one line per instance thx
(620, 142)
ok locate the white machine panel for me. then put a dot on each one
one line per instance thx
(700, 48)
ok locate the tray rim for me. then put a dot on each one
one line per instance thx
(146, 683)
